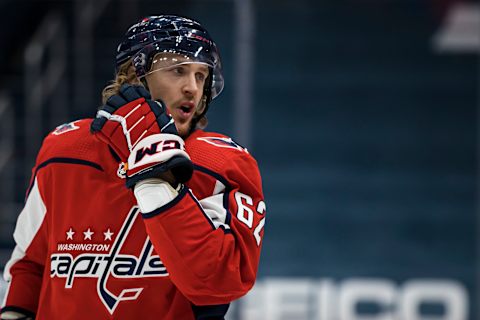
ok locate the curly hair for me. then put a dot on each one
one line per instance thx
(125, 74)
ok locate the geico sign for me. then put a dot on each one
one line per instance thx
(325, 299)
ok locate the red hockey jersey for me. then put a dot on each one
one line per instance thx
(84, 250)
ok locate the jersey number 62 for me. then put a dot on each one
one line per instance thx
(245, 213)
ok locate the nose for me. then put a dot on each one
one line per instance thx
(190, 86)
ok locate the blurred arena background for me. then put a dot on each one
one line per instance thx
(362, 114)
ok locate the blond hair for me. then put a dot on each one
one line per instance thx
(126, 74)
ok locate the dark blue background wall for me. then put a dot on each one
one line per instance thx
(365, 136)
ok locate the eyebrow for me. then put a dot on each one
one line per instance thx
(204, 69)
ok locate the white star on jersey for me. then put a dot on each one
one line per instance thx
(88, 234)
(108, 235)
(70, 234)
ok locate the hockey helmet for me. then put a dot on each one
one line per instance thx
(172, 34)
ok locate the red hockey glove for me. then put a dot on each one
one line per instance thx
(143, 135)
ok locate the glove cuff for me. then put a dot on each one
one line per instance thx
(153, 193)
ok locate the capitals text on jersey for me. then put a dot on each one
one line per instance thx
(104, 265)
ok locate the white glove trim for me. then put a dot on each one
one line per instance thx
(163, 147)
(122, 121)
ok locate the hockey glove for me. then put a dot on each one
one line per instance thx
(143, 135)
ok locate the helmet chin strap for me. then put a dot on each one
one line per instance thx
(143, 80)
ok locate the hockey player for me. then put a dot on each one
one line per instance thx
(140, 213)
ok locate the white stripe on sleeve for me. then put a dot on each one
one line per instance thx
(219, 187)
(213, 207)
(28, 224)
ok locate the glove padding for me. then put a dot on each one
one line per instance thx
(143, 135)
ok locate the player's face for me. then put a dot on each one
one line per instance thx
(179, 83)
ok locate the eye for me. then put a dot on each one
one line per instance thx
(180, 70)
(201, 76)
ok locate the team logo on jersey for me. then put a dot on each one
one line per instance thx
(105, 265)
(66, 127)
(223, 143)
(122, 170)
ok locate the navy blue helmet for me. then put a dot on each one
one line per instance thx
(172, 34)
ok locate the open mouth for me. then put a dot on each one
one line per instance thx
(186, 109)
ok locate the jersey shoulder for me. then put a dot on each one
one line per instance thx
(216, 151)
(71, 140)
